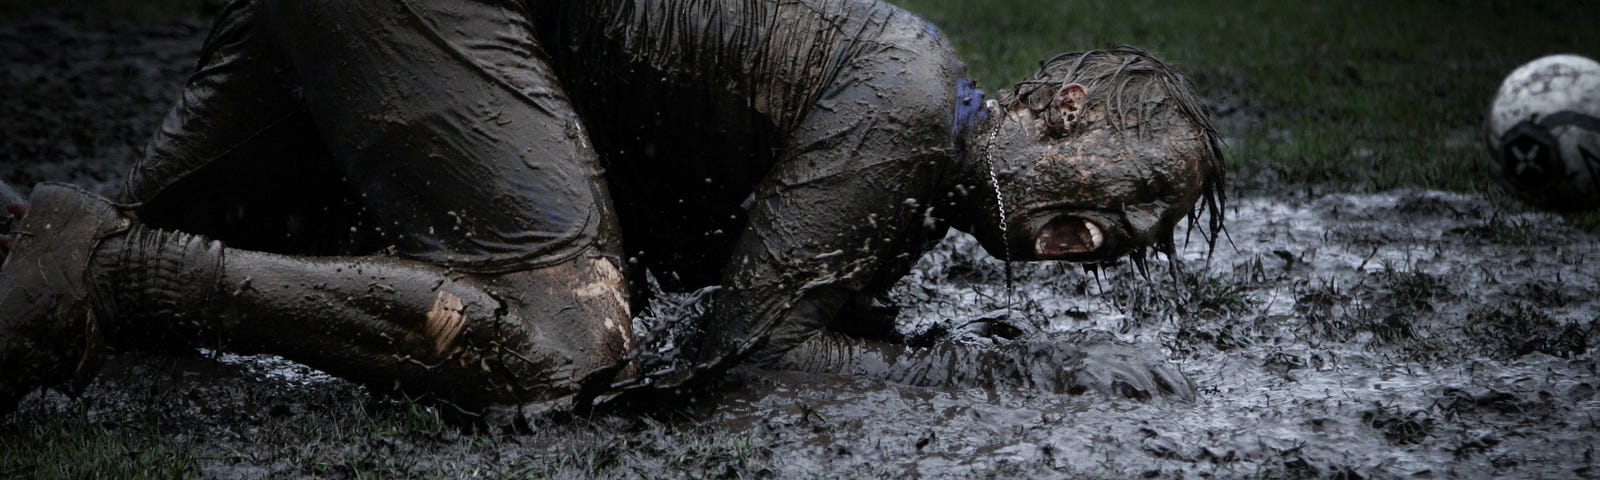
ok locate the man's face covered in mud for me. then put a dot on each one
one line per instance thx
(1101, 155)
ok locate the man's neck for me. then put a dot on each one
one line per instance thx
(970, 184)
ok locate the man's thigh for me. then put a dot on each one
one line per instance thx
(447, 120)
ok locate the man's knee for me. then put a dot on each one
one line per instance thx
(578, 307)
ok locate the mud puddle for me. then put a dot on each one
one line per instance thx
(1415, 334)
(1409, 334)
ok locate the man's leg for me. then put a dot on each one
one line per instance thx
(448, 120)
(508, 288)
(48, 331)
(382, 321)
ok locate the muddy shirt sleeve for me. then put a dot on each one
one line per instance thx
(847, 204)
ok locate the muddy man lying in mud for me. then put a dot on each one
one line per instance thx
(460, 199)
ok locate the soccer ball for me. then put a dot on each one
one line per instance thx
(1544, 132)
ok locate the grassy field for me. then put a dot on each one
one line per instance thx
(1349, 95)
(1362, 94)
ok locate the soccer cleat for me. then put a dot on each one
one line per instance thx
(48, 331)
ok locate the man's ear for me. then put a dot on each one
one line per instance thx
(1070, 100)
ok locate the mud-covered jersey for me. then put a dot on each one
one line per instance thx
(692, 103)
(789, 151)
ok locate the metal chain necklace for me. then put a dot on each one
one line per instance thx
(1000, 205)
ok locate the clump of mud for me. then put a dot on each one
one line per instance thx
(1402, 334)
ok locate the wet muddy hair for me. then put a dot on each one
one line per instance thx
(1130, 83)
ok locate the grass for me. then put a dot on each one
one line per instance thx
(341, 431)
(1360, 94)
(1517, 329)
(91, 451)
(1346, 95)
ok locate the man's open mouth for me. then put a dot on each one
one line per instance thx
(1067, 235)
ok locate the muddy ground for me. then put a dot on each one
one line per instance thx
(1411, 334)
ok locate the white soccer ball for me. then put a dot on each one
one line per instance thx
(1544, 132)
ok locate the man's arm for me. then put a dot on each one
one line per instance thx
(817, 239)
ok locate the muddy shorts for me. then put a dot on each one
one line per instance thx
(443, 118)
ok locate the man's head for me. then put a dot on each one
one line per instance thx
(1100, 155)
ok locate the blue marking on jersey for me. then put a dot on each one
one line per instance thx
(969, 106)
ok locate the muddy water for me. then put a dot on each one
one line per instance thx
(1404, 334)
(1279, 397)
